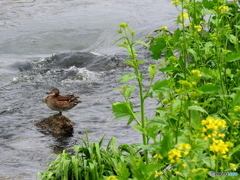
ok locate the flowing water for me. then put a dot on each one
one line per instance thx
(66, 44)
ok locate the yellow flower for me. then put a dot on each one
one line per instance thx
(164, 27)
(183, 15)
(214, 124)
(123, 25)
(177, 172)
(175, 2)
(221, 135)
(236, 122)
(223, 9)
(157, 156)
(233, 165)
(186, 84)
(220, 147)
(198, 28)
(236, 109)
(174, 155)
(158, 174)
(225, 156)
(112, 178)
(194, 83)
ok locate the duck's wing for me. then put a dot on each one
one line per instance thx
(70, 98)
(65, 97)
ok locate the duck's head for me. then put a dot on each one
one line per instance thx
(54, 92)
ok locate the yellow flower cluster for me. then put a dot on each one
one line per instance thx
(212, 127)
(236, 122)
(164, 27)
(220, 147)
(198, 28)
(233, 166)
(183, 15)
(157, 156)
(185, 84)
(175, 2)
(196, 73)
(212, 123)
(157, 174)
(236, 109)
(223, 9)
(123, 25)
(174, 155)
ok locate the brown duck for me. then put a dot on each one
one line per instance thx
(61, 103)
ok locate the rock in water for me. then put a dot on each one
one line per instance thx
(58, 124)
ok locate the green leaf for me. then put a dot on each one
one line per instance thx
(129, 62)
(200, 145)
(193, 53)
(160, 85)
(233, 57)
(209, 88)
(167, 69)
(127, 77)
(237, 26)
(197, 108)
(157, 47)
(138, 128)
(122, 110)
(236, 99)
(130, 120)
(143, 43)
(128, 90)
(152, 70)
(167, 142)
(140, 62)
(234, 150)
(209, 161)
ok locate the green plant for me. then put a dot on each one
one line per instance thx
(195, 130)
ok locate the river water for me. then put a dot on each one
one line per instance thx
(66, 44)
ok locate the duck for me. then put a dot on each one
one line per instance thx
(61, 103)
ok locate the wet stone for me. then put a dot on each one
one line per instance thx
(57, 124)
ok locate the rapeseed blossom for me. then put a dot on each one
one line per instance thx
(164, 27)
(232, 165)
(212, 128)
(223, 9)
(183, 15)
(158, 156)
(174, 155)
(236, 109)
(220, 147)
(198, 28)
(175, 2)
(157, 174)
(185, 84)
(196, 73)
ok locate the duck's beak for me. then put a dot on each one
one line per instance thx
(49, 92)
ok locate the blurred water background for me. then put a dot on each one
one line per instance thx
(66, 44)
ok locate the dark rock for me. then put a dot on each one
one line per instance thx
(57, 124)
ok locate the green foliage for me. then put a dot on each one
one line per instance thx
(195, 129)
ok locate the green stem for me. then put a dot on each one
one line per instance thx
(140, 85)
